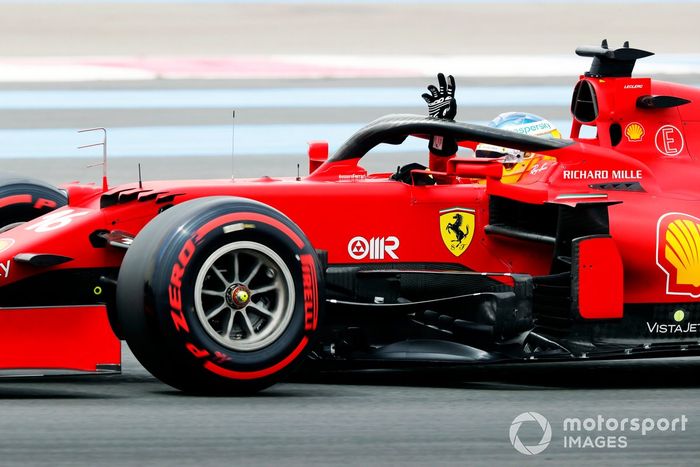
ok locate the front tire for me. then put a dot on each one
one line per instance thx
(220, 296)
(23, 199)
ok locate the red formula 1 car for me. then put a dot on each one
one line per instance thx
(224, 286)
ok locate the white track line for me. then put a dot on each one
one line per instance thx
(74, 69)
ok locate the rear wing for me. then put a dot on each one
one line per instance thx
(611, 63)
(394, 129)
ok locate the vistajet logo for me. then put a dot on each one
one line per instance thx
(677, 327)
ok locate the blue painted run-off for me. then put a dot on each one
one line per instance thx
(388, 97)
(283, 139)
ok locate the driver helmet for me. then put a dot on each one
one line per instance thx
(519, 122)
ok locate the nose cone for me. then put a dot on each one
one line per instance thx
(6, 243)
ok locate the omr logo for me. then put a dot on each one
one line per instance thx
(530, 450)
(374, 248)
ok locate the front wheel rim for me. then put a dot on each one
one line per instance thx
(244, 296)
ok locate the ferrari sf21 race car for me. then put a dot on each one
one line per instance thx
(224, 286)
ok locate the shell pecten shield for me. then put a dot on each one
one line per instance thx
(634, 132)
(678, 253)
(457, 229)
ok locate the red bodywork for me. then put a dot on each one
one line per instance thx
(368, 218)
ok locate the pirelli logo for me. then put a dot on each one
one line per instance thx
(310, 283)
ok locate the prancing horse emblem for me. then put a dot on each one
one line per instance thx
(457, 229)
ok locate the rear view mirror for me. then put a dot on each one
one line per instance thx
(318, 154)
(474, 168)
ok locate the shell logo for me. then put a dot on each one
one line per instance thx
(678, 253)
(634, 132)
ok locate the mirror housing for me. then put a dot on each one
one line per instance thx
(475, 168)
(318, 154)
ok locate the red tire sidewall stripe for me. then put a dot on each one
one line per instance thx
(231, 374)
(247, 216)
(15, 199)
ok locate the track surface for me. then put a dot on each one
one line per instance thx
(359, 419)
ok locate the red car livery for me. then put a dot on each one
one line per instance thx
(223, 286)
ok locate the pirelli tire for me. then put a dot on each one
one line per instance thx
(220, 295)
(23, 199)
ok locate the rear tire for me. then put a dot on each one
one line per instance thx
(220, 296)
(23, 199)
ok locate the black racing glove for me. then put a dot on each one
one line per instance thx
(443, 105)
(441, 102)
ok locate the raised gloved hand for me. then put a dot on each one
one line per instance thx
(441, 102)
(443, 105)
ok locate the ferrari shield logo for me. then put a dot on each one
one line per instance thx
(457, 229)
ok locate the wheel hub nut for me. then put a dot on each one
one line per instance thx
(238, 296)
